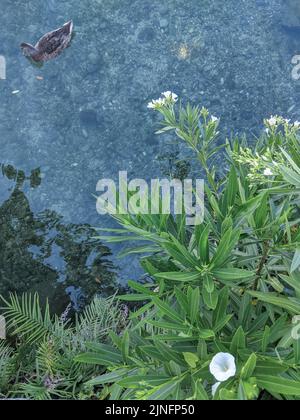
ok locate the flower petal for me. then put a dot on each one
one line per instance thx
(214, 388)
(223, 367)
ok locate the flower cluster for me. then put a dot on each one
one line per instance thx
(214, 119)
(275, 121)
(167, 98)
(262, 166)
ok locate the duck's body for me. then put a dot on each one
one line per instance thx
(50, 45)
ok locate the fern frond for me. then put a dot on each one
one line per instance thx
(7, 366)
(98, 318)
(33, 391)
(46, 347)
(26, 319)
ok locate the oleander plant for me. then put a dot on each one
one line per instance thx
(217, 317)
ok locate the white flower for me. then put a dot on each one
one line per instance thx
(167, 98)
(167, 94)
(156, 103)
(214, 119)
(268, 172)
(272, 121)
(214, 388)
(223, 367)
(170, 96)
(287, 121)
(151, 105)
(297, 124)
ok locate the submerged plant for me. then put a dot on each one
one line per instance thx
(28, 241)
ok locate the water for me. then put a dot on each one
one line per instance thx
(83, 116)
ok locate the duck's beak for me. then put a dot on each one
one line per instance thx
(28, 50)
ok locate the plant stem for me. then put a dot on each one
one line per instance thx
(263, 260)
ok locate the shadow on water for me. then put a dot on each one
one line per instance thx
(38, 252)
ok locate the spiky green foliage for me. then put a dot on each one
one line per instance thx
(7, 366)
(229, 285)
(40, 364)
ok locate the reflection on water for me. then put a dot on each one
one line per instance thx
(40, 252)
(83, 116)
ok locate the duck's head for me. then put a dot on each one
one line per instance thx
(28, 50)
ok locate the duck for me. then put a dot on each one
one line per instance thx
(50, 45)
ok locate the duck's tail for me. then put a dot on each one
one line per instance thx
(69, 27)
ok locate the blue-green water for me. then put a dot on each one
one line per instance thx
(83, 116)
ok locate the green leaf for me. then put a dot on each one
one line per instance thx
(210, 299)
(249, 367)
(265, 339)
(278, 385)
(138, 381)
(232, 274)
(191, 359)
(230, 191)
(95, 359)
(247, 209)
(296, 261)
(141, 311)
(221, 309)
(108, 378)
(292, 280)
(168, 353)
(169, 326)
(165, 391)
(115, 392)
(180, 276)
(270, 367)
(140, 288)
(261, 213)
(218, 326)
(182, 299)
(134, 297)
(125, 346)
(290, 176)
(204, 245)
(199, 392)
(242, 396)
(223, 250)
(292, 305)
(194, 303)
(180, 251)
(296, 347)
(106, 350)
(205, 334)
(167, 310)
(173, 251)
(245, 311)
(291, 161)
(238, 341)
(209, 283)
